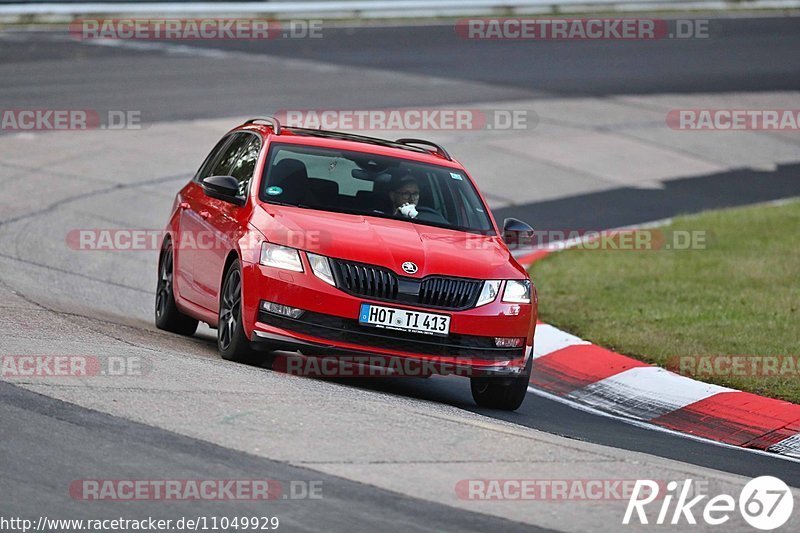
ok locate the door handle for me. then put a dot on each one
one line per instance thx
(184, 205)
(205, 215)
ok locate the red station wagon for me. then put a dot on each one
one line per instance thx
(329, 243)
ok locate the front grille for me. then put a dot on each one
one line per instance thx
(452, 293)
(365, 280)
(335, 328)
(382, 284)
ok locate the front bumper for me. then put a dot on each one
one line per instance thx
(329, 326)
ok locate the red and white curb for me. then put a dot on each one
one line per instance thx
(582, 373)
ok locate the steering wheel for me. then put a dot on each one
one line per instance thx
(429, 214)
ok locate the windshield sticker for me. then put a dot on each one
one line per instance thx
(274, 190)
(456, 176)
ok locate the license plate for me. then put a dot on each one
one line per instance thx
(403, 320)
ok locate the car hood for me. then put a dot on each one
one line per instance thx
(388, 242)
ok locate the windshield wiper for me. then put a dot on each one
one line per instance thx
(302, 206)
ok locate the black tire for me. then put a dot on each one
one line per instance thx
(168, 316)
(232, 340)
(502, 393)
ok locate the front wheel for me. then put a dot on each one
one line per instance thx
(502, 393)
(232, 340)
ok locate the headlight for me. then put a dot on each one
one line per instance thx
(489, 292)
(321, 268)
(517, 292)
(278, 256)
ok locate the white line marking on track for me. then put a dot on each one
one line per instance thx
(790, 446)
(645, 392)
(548, 339)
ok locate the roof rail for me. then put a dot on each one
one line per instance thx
(270, 120)
(355, 138)
(439, 150)
(404, 144)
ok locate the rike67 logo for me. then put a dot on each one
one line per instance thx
(766, 503)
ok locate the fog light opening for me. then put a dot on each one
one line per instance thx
(280, 309)
(508, 342)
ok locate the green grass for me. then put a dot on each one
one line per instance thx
(740, 295)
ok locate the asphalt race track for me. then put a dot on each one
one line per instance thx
(387, 452)
(739, 55)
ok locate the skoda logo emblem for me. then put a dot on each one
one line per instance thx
(409, 267)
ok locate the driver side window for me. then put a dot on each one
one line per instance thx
(235, 156)
(213, 156)
(230, 155)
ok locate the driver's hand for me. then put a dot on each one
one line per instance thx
(408, 210)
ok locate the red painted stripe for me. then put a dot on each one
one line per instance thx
(577, 366)
(738, 418)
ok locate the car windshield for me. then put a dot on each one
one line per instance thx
(368, 184)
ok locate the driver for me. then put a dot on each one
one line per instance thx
(404, 195)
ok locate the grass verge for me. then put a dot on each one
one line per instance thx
(737, 295)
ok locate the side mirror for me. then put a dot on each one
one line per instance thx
(517, 234)
(225, 188)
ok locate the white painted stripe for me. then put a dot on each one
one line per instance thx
(645, 393)
(790, 446)
(548, 339)
(652, 427)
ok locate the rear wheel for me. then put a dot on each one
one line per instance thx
(168, 316)
(502, 393)
(232, 340)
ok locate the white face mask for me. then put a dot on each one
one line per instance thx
(408, 210)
